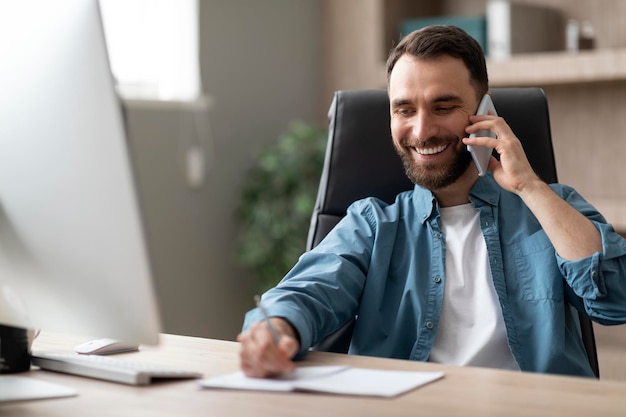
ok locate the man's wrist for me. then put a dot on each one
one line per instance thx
(284, 327)
(532, 187)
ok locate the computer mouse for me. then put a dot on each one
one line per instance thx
(104, 346)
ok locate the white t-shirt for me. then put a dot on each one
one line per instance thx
(471, 329)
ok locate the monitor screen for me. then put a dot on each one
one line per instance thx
(73, 256)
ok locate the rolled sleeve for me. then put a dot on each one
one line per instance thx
(600, 279)
(584, 276)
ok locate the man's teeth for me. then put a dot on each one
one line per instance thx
(430, 151)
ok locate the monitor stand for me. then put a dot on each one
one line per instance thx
(19, 388)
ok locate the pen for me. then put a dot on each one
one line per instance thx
(257, 300)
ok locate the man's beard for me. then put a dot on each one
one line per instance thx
(431, 176)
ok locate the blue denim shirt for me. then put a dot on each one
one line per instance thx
(385, 263)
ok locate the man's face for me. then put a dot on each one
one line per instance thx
(431, 101)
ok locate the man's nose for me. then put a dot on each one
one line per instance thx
(423, 126)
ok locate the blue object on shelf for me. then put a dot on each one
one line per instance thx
(475, 26)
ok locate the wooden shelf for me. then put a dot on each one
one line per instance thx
(558, 68)
(550, 68)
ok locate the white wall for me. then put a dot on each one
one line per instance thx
(259, 61)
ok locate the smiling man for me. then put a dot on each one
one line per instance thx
(463, 269)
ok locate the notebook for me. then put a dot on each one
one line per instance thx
(341, 380)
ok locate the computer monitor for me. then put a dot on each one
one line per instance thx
(73, 255)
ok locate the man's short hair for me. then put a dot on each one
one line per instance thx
(438, 40)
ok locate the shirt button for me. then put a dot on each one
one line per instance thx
(594, 273)
(437, 279)
(429, 325)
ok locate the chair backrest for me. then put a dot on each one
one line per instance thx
(361, 162)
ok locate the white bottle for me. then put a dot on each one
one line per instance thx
(572, 34)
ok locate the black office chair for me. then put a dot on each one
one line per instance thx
(361, 162)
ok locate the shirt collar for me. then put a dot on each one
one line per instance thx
(485, 190)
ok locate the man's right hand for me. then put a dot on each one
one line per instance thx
(260, 356)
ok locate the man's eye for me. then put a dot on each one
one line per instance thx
(443, 109)
(404, 112)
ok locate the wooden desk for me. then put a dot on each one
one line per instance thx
(462, 392)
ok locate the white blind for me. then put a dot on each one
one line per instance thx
(153, 48)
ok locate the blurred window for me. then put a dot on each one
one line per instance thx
(153, 48)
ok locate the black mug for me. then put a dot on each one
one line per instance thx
(14, 350)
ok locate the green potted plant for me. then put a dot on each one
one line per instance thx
(277, 200)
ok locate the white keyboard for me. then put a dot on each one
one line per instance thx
(111, 369)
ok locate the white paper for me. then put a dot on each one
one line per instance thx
(284, 383)
(341, 380)
(374, 382)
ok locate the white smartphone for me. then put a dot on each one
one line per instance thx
(482, 154)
